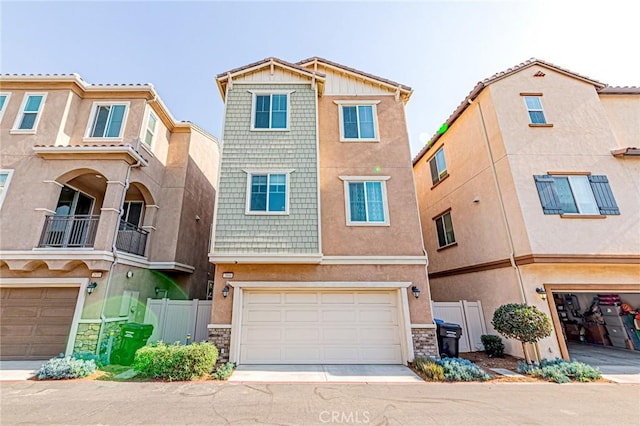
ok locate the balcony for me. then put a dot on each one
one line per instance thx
(69, 231)
(131, 239)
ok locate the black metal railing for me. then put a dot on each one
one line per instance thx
(131, 239)
(69, 231)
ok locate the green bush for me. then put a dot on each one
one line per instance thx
(175, 362)
(224, 371)
(66, 368)
(493, 345)
(522, 322)
(560, 371)
(462, 370)
(430, 368)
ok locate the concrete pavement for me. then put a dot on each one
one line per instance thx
(219, 403)
(314, 373)
(19, 370)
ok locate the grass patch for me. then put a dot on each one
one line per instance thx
(110, 373)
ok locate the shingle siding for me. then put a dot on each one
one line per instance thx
(295, 149)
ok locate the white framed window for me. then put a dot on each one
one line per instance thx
(5, 180)
(358, 121)
(4, 100)
(438, 166)
(365, 199)
(444, 230)
(268, 192)
(107, 120)
(30, 113)
(534, 108)
(150, 133)
(576, 195)
(270, 110)
(132, 213)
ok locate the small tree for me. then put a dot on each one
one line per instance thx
(521, 322)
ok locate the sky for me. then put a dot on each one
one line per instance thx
(439, 48)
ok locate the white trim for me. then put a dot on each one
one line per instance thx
(15, 129)
(55, 182)
(347, 201)
(253, 172)
(266, 258)
(236, 326)
(429, 326)
(357, 103)
(143, 138)
(109, 209)
(174, 266)
(94, 109)
(254, 94)
(319, 285)
(406, 321)
(58, 254)
(143, 262)
(4, 105)
(319, 208)
(210, 326)
(444, 229)
(123, 149)
(5, 187)
(374, 260)
(44, 209)
(81, 283)
(119, 182)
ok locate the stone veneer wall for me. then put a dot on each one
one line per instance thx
(424, 342)
(221, 338)
(87, 336)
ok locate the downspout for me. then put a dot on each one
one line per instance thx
(505, 219)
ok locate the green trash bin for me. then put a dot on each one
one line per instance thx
(133, 336)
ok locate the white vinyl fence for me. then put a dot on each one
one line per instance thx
(469, 316)
(173, 320)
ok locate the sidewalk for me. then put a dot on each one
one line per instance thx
(19, 370)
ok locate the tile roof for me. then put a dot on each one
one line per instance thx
(266, 61)
(73, 77)
(535, 61)
(622, 90)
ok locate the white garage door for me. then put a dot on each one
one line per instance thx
(313, 327)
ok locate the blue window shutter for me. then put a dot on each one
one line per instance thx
(548, 194)
(603, 195)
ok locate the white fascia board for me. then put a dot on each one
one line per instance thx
(374, 260)
(58, 254)
(349, 285)
(257, 258)
(429, 326)
(173, 266)
(128, 149)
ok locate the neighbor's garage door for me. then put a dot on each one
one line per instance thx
(311, 327)
(35, 322)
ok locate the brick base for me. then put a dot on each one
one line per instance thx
(221, 338)
(424, 342)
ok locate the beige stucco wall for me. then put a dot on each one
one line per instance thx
(623, 113)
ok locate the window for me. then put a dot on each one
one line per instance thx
(438, 167)
(358, 121)
(444, 229)
(270, 111)
(29, 116)
(107, 121)
(5, 179)
(534, 107)
(132, 212)
(576, 195)
(4, 100)
(149, 135)
(267, 193)
(366, 200)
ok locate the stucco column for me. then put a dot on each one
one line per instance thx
(109, 215)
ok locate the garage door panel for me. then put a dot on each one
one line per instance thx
(62, 293)
(376, 354)
(379, 316)
(297, 353)
(262, 334)
(380, 334)
(51, 331)
(338, 298)
(376, 298)
(302, 334)
(57, 312)
(341, 316)
(264, 298)
(252, 354)
(344, 355)
(340, 335)
(302, 316)
(18, 311)
(23, 293)
(17, 331)
(304, 298)
(264, 315)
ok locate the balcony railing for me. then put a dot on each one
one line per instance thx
(131, 239)
(69, 231)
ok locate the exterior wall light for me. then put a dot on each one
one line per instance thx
(542, 293)
(416, 291)
(225, 291)
(92, 286)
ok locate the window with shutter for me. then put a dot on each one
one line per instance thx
(576, 195)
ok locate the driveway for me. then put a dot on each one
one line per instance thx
(19, 370)
(617, 365)
(324, 373)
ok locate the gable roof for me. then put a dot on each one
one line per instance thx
(222, 79)
(478, 88)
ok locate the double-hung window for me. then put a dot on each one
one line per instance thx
(575, 195)
(534, 108)
(444, 230)
(132, 213)
(150, 133)
(438, 167)
(270, 111)
(268, 192)
(4, 100)
(107, 120)
(366, 200)
(5, 179)
(30, 112)
(358, 121)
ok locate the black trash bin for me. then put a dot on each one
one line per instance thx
(448, 338)
(133, 336)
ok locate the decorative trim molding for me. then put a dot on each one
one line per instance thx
(504, 263)
(266, 258)
(210, 326)
(429, 326)
(109, 209)
(53, 182)
(358, 285)
(43, 209)
(374, 260)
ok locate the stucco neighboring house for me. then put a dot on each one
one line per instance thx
(535, 188)
(317, 244)
(106, 200)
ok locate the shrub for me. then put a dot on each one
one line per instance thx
(430, 368)
(100, 360)
(224, 371)
(521, 322)
(175, 362)
(462, 370)
(560, 371)
(66, 368)
(493, 345)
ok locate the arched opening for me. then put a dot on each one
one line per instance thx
(132, 237)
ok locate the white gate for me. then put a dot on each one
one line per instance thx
(173, 320)
(469, 316)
